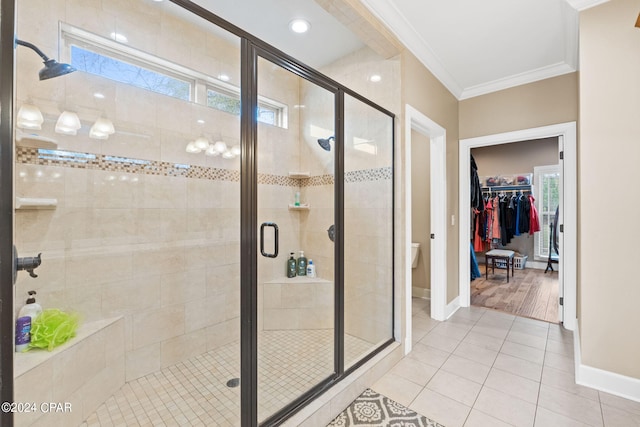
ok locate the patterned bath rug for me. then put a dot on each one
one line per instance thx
(374, 409)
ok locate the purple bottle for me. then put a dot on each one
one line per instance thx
(23, 333)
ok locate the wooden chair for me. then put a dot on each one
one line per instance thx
(553, 244)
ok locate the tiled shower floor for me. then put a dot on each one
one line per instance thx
(195, 393)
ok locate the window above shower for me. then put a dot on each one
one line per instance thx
(114, 60)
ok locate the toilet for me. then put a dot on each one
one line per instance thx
(415, 250)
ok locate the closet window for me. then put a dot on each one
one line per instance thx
(547, 189)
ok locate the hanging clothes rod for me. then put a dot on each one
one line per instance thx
(498, 188)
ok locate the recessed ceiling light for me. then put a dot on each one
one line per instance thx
(200, 121)
(299, 26)
(375, 78)
(223, 77)
(98, 95)
(120, 38)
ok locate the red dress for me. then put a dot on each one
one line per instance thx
(534, 220)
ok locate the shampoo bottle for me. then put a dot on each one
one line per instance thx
(311, 269)
(291, 266)
(302, 264)
(26, 316)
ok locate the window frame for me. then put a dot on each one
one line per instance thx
(539, 173)
(200, 83)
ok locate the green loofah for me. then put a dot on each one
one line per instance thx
(52, 328)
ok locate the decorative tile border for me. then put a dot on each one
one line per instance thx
(78, 160)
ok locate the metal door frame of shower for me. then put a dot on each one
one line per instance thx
(7, 71)
(251, 47)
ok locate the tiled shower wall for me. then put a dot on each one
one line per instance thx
(159, 245)
(142, 229)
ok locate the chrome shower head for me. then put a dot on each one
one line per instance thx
(52, 68)
(325, 143)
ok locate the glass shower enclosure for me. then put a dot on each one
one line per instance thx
(166, 182)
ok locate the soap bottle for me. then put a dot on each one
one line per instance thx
(26, 316)
(296, 200)
(291, 266)
(302, 264)
(311, 269)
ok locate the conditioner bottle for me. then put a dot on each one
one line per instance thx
(302, 264)
(292, 266)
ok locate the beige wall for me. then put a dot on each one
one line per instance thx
(536, 104)
(516, 158)
(420, 208)
(609, 129)
(424, 92)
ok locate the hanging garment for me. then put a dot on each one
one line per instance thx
(504, 212)
(534, 220)
(476, 188)
(478, 244)
(516, 226)
(511, 217)
(525, 207)
(496, 218)
(488, 208)
(475, 270)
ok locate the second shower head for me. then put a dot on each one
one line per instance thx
(325, 143)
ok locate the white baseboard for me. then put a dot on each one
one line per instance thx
(452, 307)
(609, 382)
(420, 293)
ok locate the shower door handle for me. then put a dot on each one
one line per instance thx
(276, 238)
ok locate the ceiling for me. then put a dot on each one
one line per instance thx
(326, 41)
(472, 47)
(476, 47)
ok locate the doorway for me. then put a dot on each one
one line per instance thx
(566, 133)
(515, 178)
(415, 121)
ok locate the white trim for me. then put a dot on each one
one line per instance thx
(609, 382)
(581, 5)
(451, 308)
(420, 293)
(531, 76)
(415, 120)
(568, 239)
(388, 13)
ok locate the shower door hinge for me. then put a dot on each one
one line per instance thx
(433, 236)
(561, 301)
(562, 228)
(562, 155)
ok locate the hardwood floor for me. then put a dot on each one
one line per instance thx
(530, 293)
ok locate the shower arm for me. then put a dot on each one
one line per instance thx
(34, 48)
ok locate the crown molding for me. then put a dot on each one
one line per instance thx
(517, 80)
(387, 12)
(581, 5)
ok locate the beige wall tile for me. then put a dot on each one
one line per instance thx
(142, 361)
(157, 325)
(183, 347)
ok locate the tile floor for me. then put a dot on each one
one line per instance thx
(195, 393)
(486, 368)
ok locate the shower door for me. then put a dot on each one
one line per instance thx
(295, 215)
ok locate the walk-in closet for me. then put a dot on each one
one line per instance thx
(515, 199)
